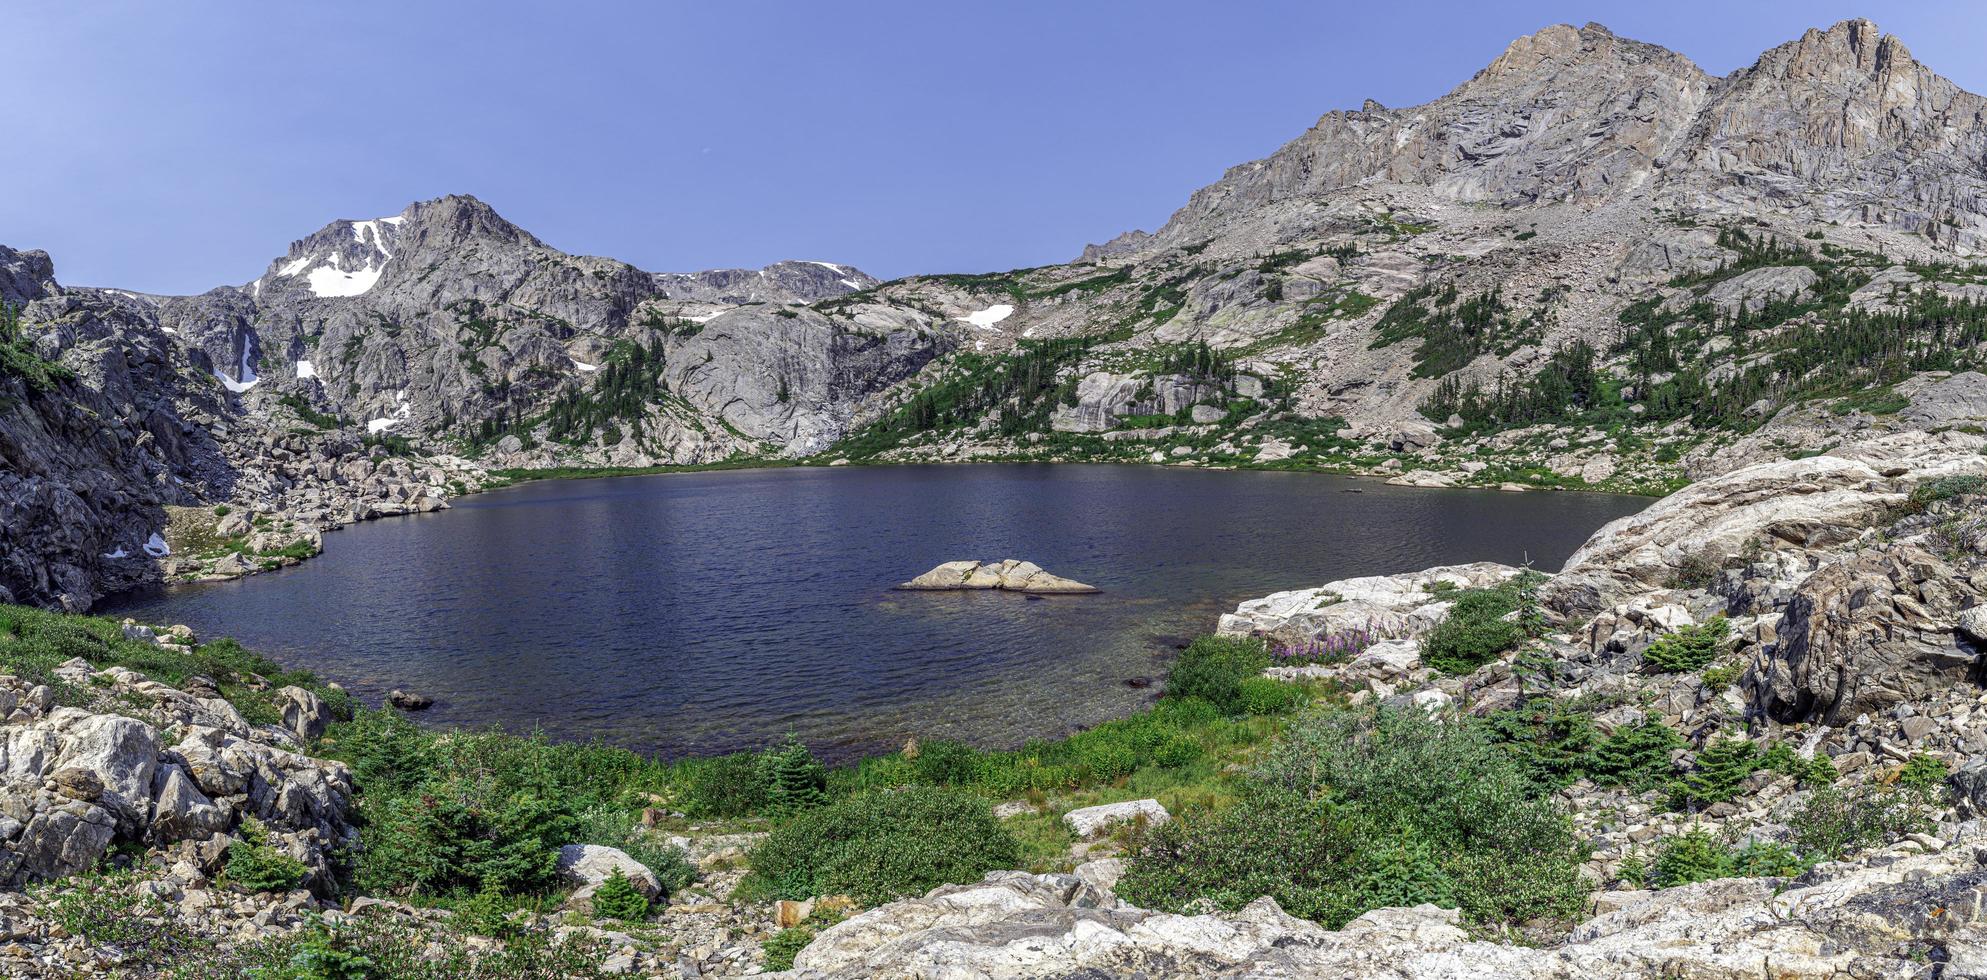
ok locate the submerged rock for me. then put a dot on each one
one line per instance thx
(1009, 575)
(409, 700)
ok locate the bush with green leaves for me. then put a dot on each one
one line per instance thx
(1924, 773)
(879, 845)
(1833, 823)
(1213, 668)
(1717, 773)
(461, 812)
(1480, 628)
(1689, 648)
(256, 865)
(1781, 758)
(618, 898)
(1637, 756)
(1698, 856)
(1351, 812)
(725, 786)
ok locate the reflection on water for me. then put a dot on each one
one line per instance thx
(708, 612)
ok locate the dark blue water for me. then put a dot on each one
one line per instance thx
(701, 613)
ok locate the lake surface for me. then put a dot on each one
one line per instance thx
(710, 612)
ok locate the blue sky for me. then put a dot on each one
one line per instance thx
(172, 147)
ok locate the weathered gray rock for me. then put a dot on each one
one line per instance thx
(589, 865)
(74, 782)
(1008, 574)
(1381, 606)
(1014, 925)
(1091, 821)
(1872, 630)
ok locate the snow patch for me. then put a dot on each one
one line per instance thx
(333, 282)
(245, 370)
(830, 266)
(852, 284)
(395, 220)
(706, 318)
(157, 547)
(306, 369)
(256, 289)
(584, 366)
(985, 319)
(379, 425)
(294, 267)
(119, 553)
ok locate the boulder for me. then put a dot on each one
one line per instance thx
(304, 713)
(588, 865)
(75, 782)
(1093, 821)
(1008, 575)
(1958, 400)
(409, 700)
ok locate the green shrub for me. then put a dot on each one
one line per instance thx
(1637, 756)
(1720, 678)
(1475, 632)
(1212, 668)
(1926, 773)
(1831, 824)
(1697, 856)
(1946, 488)
(1263, 696)
(464, 835)
(725, 786)
(1720, 768)
(944, 763)
(785, 945)
(256, 865)
(618, 898)
(1690, 648)
(1352, 812)
(1781, 758)
(879, 845)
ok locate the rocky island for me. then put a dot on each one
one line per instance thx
(1009, 575)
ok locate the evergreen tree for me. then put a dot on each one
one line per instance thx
(796, 781)
(618, 898)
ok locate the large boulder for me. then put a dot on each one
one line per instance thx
(1092, 821)
(1752, 291)
(1877, 628)
(590, 865)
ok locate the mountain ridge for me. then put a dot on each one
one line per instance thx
(1590, 263)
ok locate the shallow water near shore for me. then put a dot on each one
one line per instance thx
(708, 612)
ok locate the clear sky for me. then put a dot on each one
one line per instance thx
(172, 147)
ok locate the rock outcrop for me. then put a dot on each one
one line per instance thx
(74, 782)
(1374, 606)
